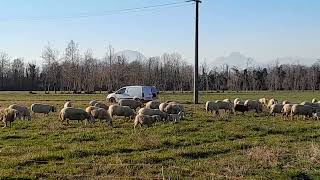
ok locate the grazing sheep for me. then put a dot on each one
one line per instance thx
(153, 104)
(227, 100)
(317, 115)
(24, 111)
(241, 108)
(162, 106)
(92, 103)
(133, 104)
(264, 101)
(8, 115)
(253, 105)
(314, 100)
(125, 111)
(173, 108)
(212, 106)
(305, 110)
(102, 114)
(285, 102)
(271, 102)
(151, 112)
(236, 101)
(226, 106)
(67, 104)
(275, 108)
(42, 108)
(315, 105)
(286, 109)
(70, 113)
(101, 105)
(145, 120)
(175, 117)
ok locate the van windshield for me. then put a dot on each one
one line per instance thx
(121, 91)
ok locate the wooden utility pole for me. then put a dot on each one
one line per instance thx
(196, 58)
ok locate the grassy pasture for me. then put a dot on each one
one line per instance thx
(201, 146)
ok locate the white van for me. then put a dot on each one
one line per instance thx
(140, 93)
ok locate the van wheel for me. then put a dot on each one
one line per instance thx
(112, 100)
(137, 99)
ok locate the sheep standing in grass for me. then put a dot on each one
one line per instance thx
(152, 112)
(305, 110)
(174, 108)
(264, 101)
(275, 108)
(125, 111)
(92, 103)
(102, 114)
(70, 113)
(133, 104)
(286, 110)
(212, 106)
(67, 104)
(240, 108)
(253, 105)
(271, 102)
(226, 106)
(101, 105)
(175, 117)
(42, 108)
(153, 104)
(8, 115)
(145, 120)
(162, 106)
(285, 102)
(24, 111)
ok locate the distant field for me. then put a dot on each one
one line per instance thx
(202, 145)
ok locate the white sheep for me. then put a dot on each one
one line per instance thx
(275, 108)
(212, 106)
(151, 112)
(145, 120)
(285, 102)
(286, 109)
(226, 106)
(226, 100)
(305, 110)
(70, 113)
(264, 101)
(271, 102)
(8, 115)
(92, 103)
(90, 108)
(42, 108)
(153, 104)
(67, 104)
(102, 114)
(253, 105)
(162, 106)
(24, 111)
(236, 101)
(101, 105)
(125, 111)
(174, 108)
(133, 104)
(314, 100)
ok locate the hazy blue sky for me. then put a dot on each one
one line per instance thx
(263, 29)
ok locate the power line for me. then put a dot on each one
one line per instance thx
(104, 13)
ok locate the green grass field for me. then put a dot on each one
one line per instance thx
(200, 146)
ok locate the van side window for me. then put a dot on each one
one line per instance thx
(121, 91)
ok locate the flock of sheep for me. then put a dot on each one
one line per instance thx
(153, 111)
(147, 114)
(307, 109)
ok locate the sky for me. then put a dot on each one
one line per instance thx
(262, 29)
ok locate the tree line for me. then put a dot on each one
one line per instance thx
(71, 71)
